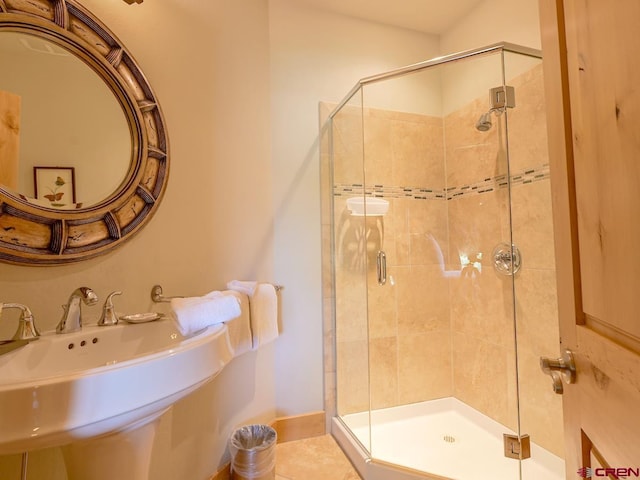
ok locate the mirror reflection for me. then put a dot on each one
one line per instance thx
(65, 141)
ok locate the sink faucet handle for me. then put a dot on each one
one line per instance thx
(109, 316)
(26, 325)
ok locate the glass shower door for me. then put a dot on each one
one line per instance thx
(443, 269)
(535, 284)
(442, 353)
(350, 264)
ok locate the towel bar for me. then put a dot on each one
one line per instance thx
(158, 297)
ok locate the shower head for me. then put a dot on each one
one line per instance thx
(484, 122)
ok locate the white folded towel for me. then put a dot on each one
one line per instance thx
(264, 314)
(242, 286)
(195, 313)
(240, 337)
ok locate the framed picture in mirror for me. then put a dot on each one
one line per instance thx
(55, 186)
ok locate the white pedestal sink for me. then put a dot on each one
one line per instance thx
(100, 392)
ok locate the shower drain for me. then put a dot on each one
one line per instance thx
(449, 438)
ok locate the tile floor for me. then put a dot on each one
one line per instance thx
(316, 458)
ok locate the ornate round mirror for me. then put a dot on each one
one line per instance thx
(83, 145)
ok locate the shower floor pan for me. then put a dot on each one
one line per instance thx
(444, 437)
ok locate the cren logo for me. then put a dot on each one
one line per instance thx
(588, 472)
(585, 472)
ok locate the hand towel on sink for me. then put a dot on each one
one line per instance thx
(263, 305)
(240, 337)
(195, 313)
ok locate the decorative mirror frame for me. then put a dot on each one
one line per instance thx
(35, 235)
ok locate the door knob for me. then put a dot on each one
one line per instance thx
(563, 368)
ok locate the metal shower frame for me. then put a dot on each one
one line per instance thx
(454, 57)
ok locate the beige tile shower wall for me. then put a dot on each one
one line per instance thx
(482, 304)
(393, 340)
(482, 310)
(403, 149)
(422, 291)
(471, 155)
(484, 374)
(527, 122)
(346, 142)
(408, 317)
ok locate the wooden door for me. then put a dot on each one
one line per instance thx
(591, 55)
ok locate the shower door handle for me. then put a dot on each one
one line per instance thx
(559, 369)
(382, 267)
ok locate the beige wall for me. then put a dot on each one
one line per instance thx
(208, 63)
(492, 21)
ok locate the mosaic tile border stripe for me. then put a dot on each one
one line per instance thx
(420, 193)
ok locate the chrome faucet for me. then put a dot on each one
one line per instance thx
(26, 326)
(72, 317)
(109, 316)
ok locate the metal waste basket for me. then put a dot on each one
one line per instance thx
(253, 453)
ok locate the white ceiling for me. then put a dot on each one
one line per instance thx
(429, 16)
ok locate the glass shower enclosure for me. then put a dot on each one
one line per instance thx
(443, 278)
